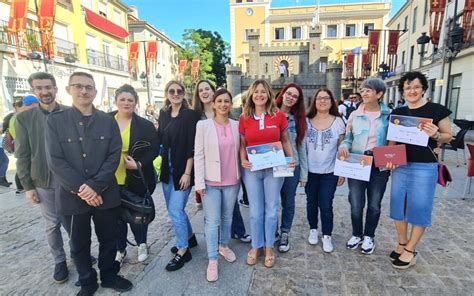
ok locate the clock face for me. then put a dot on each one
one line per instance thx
(249, 11)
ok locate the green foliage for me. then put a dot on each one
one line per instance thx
(212, 51)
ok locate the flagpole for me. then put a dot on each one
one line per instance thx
(146, 72)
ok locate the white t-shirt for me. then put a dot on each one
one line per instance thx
(322, 146)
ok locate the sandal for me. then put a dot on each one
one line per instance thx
(252, 256)
(394, 255)
(269, 261)
(399, 264)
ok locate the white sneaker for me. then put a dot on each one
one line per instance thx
(142, 252)
(353, 243)
(327, 244)
(368, 246)
(313, 237)
(120, 256)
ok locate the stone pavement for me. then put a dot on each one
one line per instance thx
(445, 262)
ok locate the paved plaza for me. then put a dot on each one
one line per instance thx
(445, 261)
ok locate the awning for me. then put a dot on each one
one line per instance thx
(101, 23)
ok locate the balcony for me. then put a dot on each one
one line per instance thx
(101, 59)
(63, 48)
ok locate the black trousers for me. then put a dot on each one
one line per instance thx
(79, 229)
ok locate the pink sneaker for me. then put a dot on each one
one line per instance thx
(212, 272)
(227, 253)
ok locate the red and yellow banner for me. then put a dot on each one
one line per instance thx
(151, 55)
(182, 66)
(437, 8)
(46, 15)
(466, 20)
(18, 13)
(350, 57)
(195, 68)
(133, 57)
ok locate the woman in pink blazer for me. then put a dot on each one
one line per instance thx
(217, 177)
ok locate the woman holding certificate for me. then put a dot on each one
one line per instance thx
(262, 123)
(414, 184)
(291, 102)
(366, 129)
(217, 177)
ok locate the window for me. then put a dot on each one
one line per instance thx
(415, 12)
(279, 33)
(238, 1)
(117, 17)
(246, 36)
(350, 30)
(367, 28)
(398, 27)
(403, 57)
(332, 31)
(296, 32)
(412, 53)
(87, 4)
(455, 82)
(302, 67)
(425, 12)
(405, 27)
(103, 9)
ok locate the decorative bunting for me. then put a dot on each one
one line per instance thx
(437, 8)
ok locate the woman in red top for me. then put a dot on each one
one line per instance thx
(262, 123)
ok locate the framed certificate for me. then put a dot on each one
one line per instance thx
(266, 156)
(284, 170)
(355, 166)
(408, 130)
(395, 154)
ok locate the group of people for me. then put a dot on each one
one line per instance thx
(75, 162)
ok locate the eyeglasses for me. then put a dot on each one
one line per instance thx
(173, 92)
(290, 94)
(416, 88)
(80, 87)
(40, 88)
(323, 98)
(352, 98)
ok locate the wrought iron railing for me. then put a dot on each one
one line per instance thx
(101, 59)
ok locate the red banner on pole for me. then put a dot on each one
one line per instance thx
(393, 42)
(437, 8)
(195, 68)
(151, 55)
(18, 12)
(374, 39)
(46, 14)
(133, 57)
(182, 66)
(466, 20)
(350, 64)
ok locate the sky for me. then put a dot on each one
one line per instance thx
(174, 16)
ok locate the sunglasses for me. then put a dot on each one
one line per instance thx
(173, 92)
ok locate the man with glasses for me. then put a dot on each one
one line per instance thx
(31, 164)
(84, 146)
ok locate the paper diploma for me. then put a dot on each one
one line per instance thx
(355, 166)
(284, 170)
(408, 129)
(266, 156)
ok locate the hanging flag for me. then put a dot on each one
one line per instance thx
(350, 64)
(357, 50)
(366, 62)
(374, 38)
(393, 42)
(46, 14)
(437, 8)
(195, 68)
(182, 66)
(133, 57)
(466, 20)
(151, 55)
(17, 23)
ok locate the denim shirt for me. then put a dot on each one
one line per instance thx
(299, 152)
(358, 127)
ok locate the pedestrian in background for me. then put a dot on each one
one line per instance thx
(367, 129)
(326, 131)
(414, 184)
(139, 148)
(262, 123)
(176, 132)
(217, 175)
(291, 102)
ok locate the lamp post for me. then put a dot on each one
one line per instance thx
(423, 44)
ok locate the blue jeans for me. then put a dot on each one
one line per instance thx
(264, 199)
(3, 163)
(288, 192)
(176, 201)
(238, 227)
(375, 189)
(218, 205)
(320, 190)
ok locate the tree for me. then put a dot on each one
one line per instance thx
(210, 49)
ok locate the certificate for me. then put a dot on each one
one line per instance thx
(408, 129)
(395, 154)
(284, 170)
(355, 166)
(266, 156)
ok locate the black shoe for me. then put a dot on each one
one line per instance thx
(118, 283)
(61, 272)
(399, 264)
(178, 261)
(88, 290)
(4, 182)
(192, 242)
(394, 255)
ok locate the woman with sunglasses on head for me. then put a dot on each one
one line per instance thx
(262, 123)
(217, 177)
(177, 129)
(139, 148)
(414, 184)
(326, 130)
(366, 129)
(291, 101)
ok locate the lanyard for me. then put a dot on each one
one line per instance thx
(261, 120)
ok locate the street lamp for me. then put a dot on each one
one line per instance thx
(423, 44)
(455, 40)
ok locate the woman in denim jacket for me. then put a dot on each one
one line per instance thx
(367, 128)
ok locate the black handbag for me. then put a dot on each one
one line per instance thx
(137, 209)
